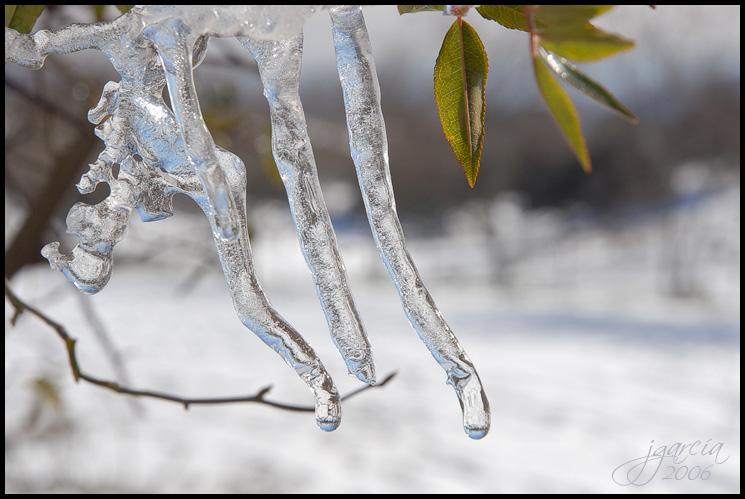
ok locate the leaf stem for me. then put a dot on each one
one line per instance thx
(528, 12)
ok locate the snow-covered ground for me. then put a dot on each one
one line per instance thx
(594, 342)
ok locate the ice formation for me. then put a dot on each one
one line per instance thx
(160, 152)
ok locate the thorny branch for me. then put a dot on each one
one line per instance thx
(20, 307)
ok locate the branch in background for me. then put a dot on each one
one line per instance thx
(115, 359)
(26, 245)
(48, 106)
(78, 373)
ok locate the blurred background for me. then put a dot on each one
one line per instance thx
(601, 310)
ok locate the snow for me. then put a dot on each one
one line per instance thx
(583, 371)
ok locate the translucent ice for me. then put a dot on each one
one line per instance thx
(279, 64)
(160, 152)
(369, 147)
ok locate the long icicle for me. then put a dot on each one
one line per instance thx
(369, 149)
(224, 188)
(174, 41)
(279, 64)
(258, 315)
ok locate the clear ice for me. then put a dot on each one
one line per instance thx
(160, 152)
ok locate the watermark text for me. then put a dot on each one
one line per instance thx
(671, 462)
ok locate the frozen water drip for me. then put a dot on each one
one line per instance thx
(160, 152)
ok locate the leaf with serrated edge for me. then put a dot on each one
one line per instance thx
(509, 16)
(22, 17)
(569, 73)
(460, 82)
(563, 111)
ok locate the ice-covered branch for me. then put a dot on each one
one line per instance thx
(152, 152)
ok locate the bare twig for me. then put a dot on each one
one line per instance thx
(79, 374)
(115, 358)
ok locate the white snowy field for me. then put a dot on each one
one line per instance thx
(587, 357)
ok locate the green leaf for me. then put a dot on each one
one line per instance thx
(98, 11)
(22, 17)
(567, 14)
(410, 9)
(509, 16)
(581, 42)
(563, 110)
(569, 73)
(460, 82)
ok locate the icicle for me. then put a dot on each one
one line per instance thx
(133, 121)
(174, 41)
(369, 149)
(159, 153)
(279, 64)
(258, 315)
